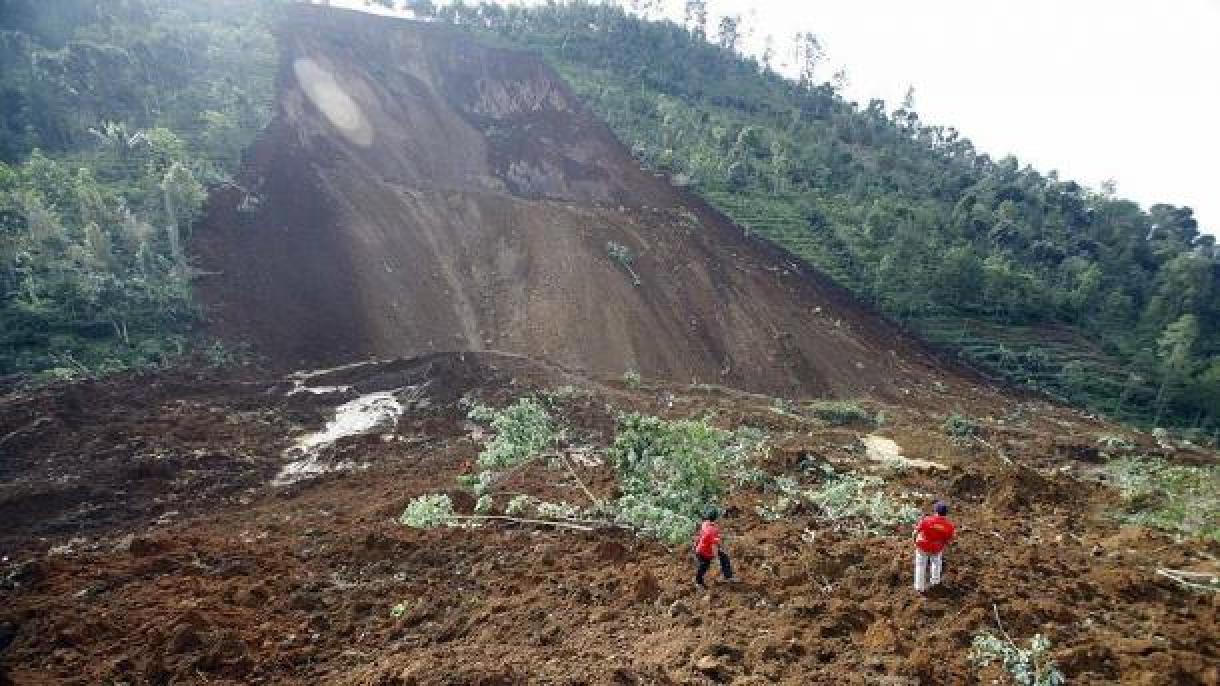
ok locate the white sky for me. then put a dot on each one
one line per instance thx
(1097, 89)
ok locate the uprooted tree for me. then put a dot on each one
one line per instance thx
(667, 472)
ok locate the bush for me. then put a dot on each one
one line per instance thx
(960, 428)
(632, 379)
(621, 254)
(841, 412)
(1112, 442)
(1159, 495)
(1028, 666)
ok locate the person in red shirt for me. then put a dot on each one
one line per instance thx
(707, 548)
(932, 534)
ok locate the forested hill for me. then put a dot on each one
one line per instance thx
(116, 116)
(115, 119)
(1068, 290)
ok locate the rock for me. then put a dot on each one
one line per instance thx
(722, 651)
(305, 600)
(183, 639)
(154, 670)
(679, 609)
(28, 573)
(252, 597)
(711, 666)
(647, 588)
(611, 551)
(194, 619)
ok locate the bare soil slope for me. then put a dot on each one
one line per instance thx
(419, 192)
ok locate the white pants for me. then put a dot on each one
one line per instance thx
(927, 569)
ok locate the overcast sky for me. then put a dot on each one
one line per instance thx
(1097, 89)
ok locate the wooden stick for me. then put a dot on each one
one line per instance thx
(518, 520)
(1000, 624)
(567, 463)
(1177, 575)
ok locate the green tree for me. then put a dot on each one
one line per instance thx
(1174, 348)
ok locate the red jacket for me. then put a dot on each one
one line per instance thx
(709, 538)
(933, 533)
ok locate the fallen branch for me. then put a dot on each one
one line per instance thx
(998, 451)
(519, 520)
(1191, 579)
(1000, 624)
(571, 469)
(32, 426)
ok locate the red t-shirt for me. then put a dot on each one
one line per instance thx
(709, 538)
(933, 533)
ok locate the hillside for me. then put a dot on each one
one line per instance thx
(907, 213)
(417, 192)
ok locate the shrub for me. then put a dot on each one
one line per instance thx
(621, 254)
(960, 427)
(1173, 498)
(841, 412)
(632, 379)
(1112, 442)
(1028, 666)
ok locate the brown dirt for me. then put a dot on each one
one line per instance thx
(467, 206)
(250, 583)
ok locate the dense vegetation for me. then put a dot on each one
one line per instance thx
(1071, 291)
(114, 117)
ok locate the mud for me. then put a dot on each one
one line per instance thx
(250, 582)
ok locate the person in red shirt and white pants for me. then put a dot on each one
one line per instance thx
(707, 548)
(932, 534)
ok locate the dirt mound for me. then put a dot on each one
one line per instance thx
(419, 192)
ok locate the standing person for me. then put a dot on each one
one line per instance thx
(932, 534)
(707, 548)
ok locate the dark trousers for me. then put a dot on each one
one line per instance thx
(705, 563)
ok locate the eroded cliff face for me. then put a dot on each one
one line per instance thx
(421, 192)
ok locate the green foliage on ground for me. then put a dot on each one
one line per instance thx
(858, 503)
(845, 501)
(1030, 666)
(1179, 499)
(842, 412)
(668, 471)
(114, 119)
(906, 214)
(960, 427)
(524, 430)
